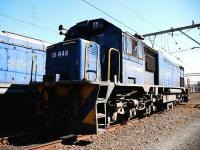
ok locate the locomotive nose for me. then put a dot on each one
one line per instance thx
(73, 60)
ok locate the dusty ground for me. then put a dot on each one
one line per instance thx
(176, 129)
(186, 136)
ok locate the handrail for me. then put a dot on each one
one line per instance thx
(33, 62)
(109, 57)
(86, 60)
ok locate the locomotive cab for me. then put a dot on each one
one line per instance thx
(76, 59)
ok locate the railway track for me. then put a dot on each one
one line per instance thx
(6, 140)
(73, 139)
(43, 146)
(67, 139)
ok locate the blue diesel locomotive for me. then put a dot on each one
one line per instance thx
(22, 60)
(100, 75)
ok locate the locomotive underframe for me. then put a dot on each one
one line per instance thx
(89, 107)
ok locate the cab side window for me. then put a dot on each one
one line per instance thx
(140, 50)
(133, 47)
(128, 45)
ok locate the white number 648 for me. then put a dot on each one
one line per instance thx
(59, 54)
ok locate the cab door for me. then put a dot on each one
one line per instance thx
(92, 66)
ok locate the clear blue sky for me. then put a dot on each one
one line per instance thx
(144, 16)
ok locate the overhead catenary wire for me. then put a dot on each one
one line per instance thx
(137, 14)
(105, 13)
(28, 23)
(143, 18)
(190, 49)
